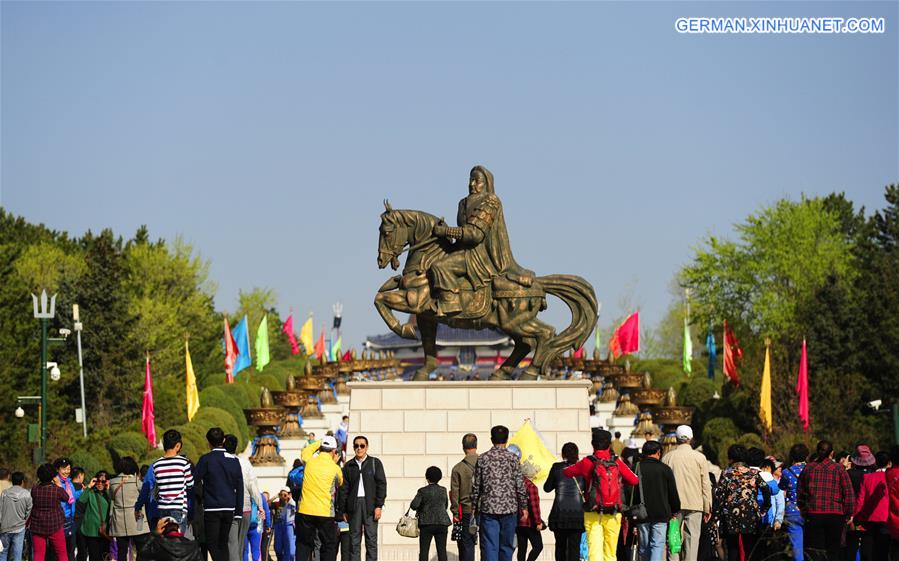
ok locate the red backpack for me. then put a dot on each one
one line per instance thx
(604, 494)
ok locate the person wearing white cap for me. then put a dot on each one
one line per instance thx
(315, 515)
(694, 489)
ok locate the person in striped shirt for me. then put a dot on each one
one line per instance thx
(170, 481)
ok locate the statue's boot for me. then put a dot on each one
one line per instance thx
(530, 373)
(449, 303)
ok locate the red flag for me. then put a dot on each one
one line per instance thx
(626, 338)
(579, 353)
(288, 329)
(346, 356)
(231, 353)
(732, 355)
(147, 418)
(319, 348)
(802, 388)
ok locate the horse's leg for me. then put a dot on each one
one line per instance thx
(427, 326)
(520, 351)
(542, 333)
(389, 298)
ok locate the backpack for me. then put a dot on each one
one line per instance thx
(295, 482)
(604, 493)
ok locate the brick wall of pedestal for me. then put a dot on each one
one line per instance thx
(413, 425)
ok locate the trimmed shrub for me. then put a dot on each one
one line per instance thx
(269, 381)
(217, 397)
(208, 417)
(717, 435)
(90, 464)
(132, 444)
(151, 457)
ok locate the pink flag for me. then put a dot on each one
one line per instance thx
(147, 418)
(579, 353)
(288, 328)
(802, 388)
(626, 338)
(231, 353)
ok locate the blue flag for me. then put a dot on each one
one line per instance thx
(713, 352)
(241, 336)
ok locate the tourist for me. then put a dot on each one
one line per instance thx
(658, 491)
(295, 479)
(871, 511)
(15, 508)
(95, 501)
(789, 482)
(861, 463)
(602, 523)
(430, 505)
(252, 551)
(169, 482)
(617, 445)
(63, 468)
(342, 434)
(631, 453)
(827, 502)
(566, 519)
(773, 519)
(497, 496)
(316, 512)
(47, 518)
(892, 481)
(531, 524)
(362, 497)
(169, 544)
(124, 491)
(460, 495)
(283, 512)
(237, 538)
(219, 486)
(5, 481)
(265, 542)
(737, 506)
(694, 490)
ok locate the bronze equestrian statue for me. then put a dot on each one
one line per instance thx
(467, 277)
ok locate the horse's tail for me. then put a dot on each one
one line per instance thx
(580, 298)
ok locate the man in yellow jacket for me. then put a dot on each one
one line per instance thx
(316, 514)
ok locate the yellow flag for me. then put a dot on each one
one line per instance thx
(306, 336)
(536, 459)
(193, 396)
(765, 393)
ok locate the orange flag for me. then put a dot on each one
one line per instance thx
(320, 345)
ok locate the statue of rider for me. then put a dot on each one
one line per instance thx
(481, 249)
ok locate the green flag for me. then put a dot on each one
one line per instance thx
(262, 357)
(596, 346)
(688, 349)
(335, 349)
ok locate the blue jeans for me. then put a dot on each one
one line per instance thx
(652, 540)
(794, 525)
(178, 515)
(12, 546)
(497, 533)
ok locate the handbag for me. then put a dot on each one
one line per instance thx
(456, 534)
(637, 512)
(408, 525)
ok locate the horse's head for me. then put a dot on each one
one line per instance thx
(393, 238)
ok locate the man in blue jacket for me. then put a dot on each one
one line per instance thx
(218, 484)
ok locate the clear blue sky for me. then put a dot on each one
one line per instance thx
(267, 134)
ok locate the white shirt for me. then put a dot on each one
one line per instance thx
(361, 492)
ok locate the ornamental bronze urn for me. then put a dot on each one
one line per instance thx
(266, 418)
(292, 400)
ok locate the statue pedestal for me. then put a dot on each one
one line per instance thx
(413, 425)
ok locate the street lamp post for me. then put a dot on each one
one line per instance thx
(78, 327)
(45, 315)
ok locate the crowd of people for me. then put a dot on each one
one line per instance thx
(664, 502)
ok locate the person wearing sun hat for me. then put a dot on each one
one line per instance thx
(861, 463)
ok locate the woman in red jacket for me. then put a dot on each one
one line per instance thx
(872, 509)
(892, 483)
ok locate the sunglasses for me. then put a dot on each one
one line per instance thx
(358, 446)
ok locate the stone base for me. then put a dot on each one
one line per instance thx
(413, 425)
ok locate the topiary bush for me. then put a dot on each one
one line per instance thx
(151, 457)
(269, 381)
(132, 444)
(89, 463)
(717, 435)
(216, 396)
(209, 417)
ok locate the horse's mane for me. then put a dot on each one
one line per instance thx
(421, 222)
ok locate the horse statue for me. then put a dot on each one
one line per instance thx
(508, 300)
